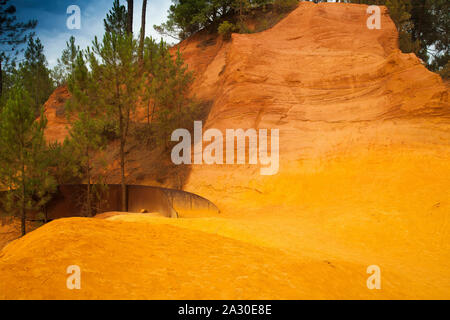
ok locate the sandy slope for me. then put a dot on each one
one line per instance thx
(156, 259)
(364, 180)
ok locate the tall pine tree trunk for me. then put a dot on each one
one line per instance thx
(122, 162)
(142, 35)
(22, 203)
(130, 17)
(88, 174)
(122, 173)
(23, 213)
(89, 207)
(122, 151)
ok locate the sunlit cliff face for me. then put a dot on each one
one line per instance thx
(333, 87)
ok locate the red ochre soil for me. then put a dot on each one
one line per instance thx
(363, 180)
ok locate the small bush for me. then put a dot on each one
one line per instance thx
(110, 131)
(225, 29)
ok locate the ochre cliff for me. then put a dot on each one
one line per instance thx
(326, 81)
(54, 108)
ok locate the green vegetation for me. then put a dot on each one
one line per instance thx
(118, 76)
(189, 16)
(119, 87)
(169, 106)
(24, 87)
(185, 17)
(86, 140)
(116, 19)
(108, 82)
(66, 63)
(63, 165)
(32, 73)
(35, 75)
(23, 154)
(225, 29)
(423, 27)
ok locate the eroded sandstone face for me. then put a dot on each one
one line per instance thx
(327, 82)
(54, 110)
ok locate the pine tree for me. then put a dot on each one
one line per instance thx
(69, 55)
(150, 57)
(64, 166)
(35, 74)
(130, 17)
(12, 35)
(400, 13)
(189, 16)
(142, 33)
(58, 75)
(66, 63)
(86, 139)
(24, 159)
(117, 19)
(10, 76)
(431, 20)
(120, 86)
(168, 93)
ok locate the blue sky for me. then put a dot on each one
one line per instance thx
(52, 17)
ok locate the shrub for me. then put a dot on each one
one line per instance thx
(225, 29)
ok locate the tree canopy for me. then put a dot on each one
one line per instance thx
(35, 75)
